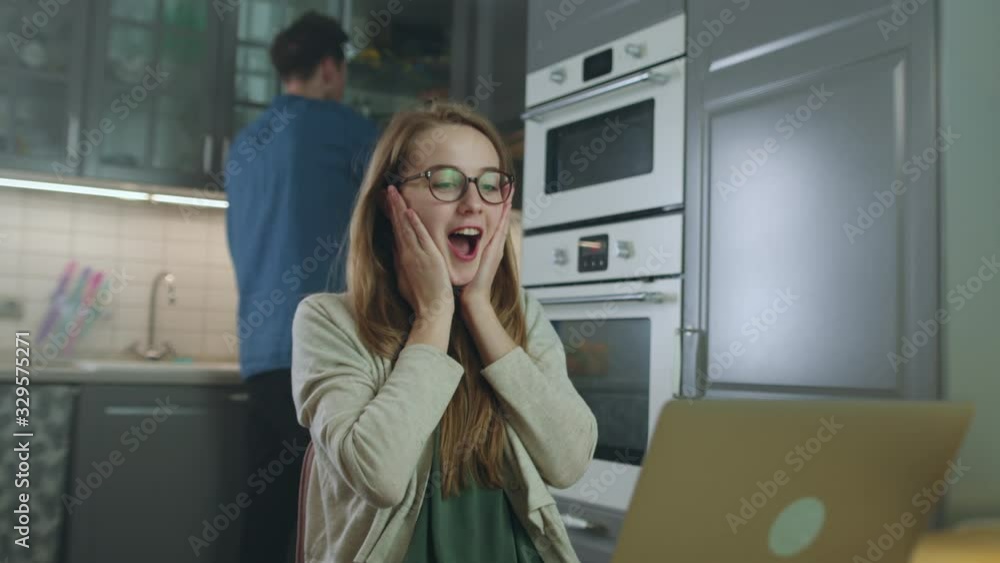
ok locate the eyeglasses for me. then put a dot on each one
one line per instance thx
(448, 184)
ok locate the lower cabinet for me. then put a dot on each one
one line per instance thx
(155, 474)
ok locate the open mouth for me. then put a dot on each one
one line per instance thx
(464, 242)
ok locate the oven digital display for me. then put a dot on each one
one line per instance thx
(593, 254)
(597, 65)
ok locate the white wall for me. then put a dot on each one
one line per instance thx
(40, 232)
(970, 104)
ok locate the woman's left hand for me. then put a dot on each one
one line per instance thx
(478, 291)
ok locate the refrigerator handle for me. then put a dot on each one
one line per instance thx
(693, 380)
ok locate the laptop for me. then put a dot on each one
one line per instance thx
(746, 481)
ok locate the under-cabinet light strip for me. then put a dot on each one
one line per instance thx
(193, 201)
(110, 192)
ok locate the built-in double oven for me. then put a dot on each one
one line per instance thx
(602, 249)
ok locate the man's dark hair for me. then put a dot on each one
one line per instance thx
(298, 49)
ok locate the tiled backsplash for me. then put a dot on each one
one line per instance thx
(40, 232)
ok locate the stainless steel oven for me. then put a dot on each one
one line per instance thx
(605, 130)
(620, 334)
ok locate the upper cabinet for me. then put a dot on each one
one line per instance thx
(560, 29)
(41, 91)
(153, 91)
(251, 80)
(398, 54)
(153, 82)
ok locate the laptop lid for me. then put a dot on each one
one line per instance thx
(791, 481)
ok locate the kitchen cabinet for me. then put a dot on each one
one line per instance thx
(398, 55)
(250, 82)
(152, 91)
(121, 90)
(41, 93)
(154, 82)
(491, 78)
(559, 29)
(401, 56)
(811, 238)
(395, 58)
(151, 466)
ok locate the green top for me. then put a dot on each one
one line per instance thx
(477, 525)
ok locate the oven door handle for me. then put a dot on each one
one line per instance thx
(538, 112)
(643, 296)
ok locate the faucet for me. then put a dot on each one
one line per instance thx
(151, 350)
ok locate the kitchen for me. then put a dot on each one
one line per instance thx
(694, 180)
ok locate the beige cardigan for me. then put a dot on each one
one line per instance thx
(371, 424)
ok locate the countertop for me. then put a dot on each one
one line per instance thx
(130, 372)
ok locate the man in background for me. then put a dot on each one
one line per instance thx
(299, 166)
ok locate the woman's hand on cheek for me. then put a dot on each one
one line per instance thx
(478, 291)
(423, 274)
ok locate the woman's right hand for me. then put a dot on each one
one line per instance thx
(423, 273)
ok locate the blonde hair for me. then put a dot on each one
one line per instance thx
(473, 433)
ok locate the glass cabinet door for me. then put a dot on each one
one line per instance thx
(393, 62)
(255, 82)
(42, 69)
(153, 92)
(399, 59)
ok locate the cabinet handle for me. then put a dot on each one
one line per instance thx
(207, 148)
(692, 363)
(225, 151)
(678, 364)
(73, 135)
(239, 397)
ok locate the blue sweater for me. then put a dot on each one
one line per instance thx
(292, 178)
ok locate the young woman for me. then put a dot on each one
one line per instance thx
(435, 390)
